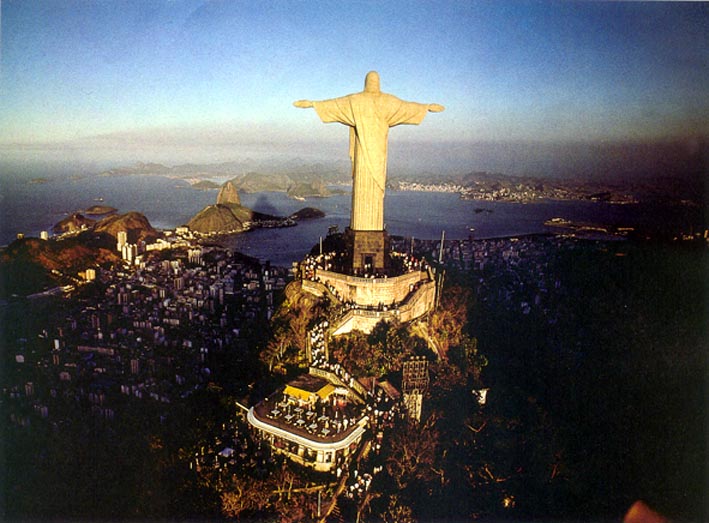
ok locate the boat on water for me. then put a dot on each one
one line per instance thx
(558, 222)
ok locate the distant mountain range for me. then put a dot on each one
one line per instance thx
(298, 178)
(673, 180)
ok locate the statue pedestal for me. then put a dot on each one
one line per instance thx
(369, 250)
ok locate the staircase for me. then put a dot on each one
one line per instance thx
(335, 515)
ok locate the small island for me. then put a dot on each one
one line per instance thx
(228, 216)
(314, 189)
(307, 213)
(205, 185)
(99, 210)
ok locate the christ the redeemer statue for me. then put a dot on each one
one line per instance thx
(369, 115)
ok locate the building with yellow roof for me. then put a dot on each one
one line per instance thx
(312, 422)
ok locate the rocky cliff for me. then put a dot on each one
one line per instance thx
(73, 223)
(31, 265)
(219, 218)
(135, 224)
(228, 194)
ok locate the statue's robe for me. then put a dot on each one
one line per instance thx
(369, 116)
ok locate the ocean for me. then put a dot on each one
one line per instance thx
(31, 207)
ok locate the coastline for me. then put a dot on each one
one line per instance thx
(409, 212)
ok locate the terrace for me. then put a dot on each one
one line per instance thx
(323, 415)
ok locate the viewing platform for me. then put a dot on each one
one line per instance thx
(311, 421)
(405, 295)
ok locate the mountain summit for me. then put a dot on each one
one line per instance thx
(228, 194)
(219, 218)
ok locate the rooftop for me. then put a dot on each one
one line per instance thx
(308, 383)
(325, 422)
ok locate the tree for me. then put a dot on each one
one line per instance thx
(290, 327)
(398, 511)
(276, 346)
(282, 493)
(244, 494)
(412, 454)
(448, 321)
(468, 358)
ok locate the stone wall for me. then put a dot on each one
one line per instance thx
(371, 291)
(314, 288)
(418, 304)
(368, 245)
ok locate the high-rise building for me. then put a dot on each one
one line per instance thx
(179, 283)
(129, 252)
(195, 256)
(122, 238)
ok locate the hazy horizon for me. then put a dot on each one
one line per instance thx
(589, 160)
(529, 87)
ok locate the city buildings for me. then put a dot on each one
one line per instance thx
(139, 333)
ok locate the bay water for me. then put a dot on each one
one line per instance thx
(30, 207)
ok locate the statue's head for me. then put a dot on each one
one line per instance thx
(371, 82)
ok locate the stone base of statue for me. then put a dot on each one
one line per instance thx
(369, 251)
(358, 270)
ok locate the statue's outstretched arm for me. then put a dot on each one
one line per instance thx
(303, 104)
(435, 108)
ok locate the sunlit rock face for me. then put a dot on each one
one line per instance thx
(215, 219)
(134, 223)
(228, 194)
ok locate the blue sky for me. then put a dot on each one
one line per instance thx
(201, 80)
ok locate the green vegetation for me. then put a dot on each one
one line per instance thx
(32, 265)
(98, 210)
(284, 350)
(312, 189)
(420, 461)
(380, 352)
(205, 185)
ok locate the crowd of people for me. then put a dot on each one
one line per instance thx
(323, 418)
(318, 351)
(324, 262)
(382, 409)
(383, 412)
(398, 263)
